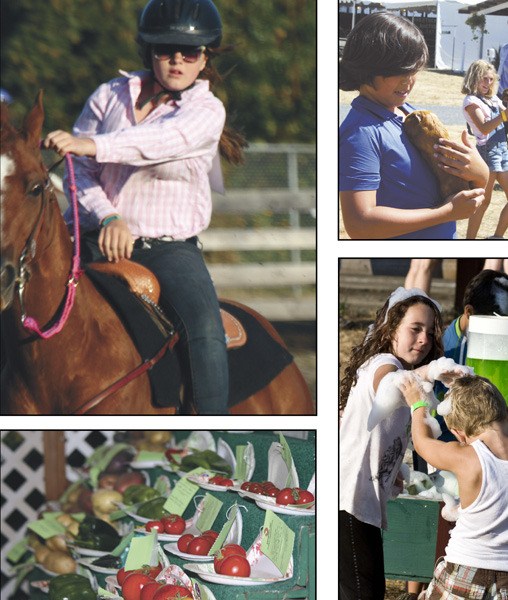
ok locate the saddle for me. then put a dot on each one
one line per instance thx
(144, 284)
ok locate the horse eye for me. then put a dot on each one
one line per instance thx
(36, 189)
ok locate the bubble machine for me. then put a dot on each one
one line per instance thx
(487, 349)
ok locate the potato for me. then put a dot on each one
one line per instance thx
(64, 519)
(105, 501)
(73, 528)
(41, 553)
(57, 542)
(59, 562)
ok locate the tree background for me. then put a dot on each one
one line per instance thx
(70, 47)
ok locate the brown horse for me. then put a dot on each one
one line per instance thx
(59, 374)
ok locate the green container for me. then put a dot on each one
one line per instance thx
(416, 537)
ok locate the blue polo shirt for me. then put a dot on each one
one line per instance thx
(376, 154)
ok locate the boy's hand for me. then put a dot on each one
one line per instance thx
(462, 160)
(116, 241)
(63, 142)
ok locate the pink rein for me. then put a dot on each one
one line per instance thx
(30, 323)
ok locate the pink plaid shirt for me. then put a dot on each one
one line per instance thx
(155, 173)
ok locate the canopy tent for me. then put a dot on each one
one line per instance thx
(457, 46)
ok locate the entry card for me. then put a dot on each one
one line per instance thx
(223, 533)
(287, 457)
(17, 552)
(211, 508)
(147, 456)
(241, 464)
(47, 528)
(180, 497)
(277, 541)
(143, 551)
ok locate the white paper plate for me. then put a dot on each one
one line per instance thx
(148, 464)
(161, 537)
(209, 486)
(112, 580)
(88, 552)
(246, 494)
(287, 509)
(87, 562)
(206, 572)
(173, 549)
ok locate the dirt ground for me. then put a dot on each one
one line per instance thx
(428, 91)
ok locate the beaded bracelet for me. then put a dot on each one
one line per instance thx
(108, 220)
(419, 404)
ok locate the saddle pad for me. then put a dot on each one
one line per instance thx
(259, 361)
(165, 377)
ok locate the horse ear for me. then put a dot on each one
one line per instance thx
(32, 124)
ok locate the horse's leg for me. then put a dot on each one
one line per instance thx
(287, 394)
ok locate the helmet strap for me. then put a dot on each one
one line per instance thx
(173, 95)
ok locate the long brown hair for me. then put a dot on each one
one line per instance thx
(380, 338)
(232, 142)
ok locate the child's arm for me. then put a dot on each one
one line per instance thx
(363, 219)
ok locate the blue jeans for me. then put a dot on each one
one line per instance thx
(190, 301)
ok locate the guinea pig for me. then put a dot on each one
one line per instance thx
(424, 130)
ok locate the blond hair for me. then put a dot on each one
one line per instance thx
(476, 403)
(477, 70)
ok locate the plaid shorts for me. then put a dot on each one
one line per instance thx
(457, 582)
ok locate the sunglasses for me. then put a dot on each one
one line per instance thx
(190, 54)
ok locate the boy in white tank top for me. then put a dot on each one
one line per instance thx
(476, 561)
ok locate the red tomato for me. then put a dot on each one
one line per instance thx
(173, 524)
(227, 482)
(226, 551)
(157, 525)
(169, 591)
(236, 565)
(133, 584)
(216, 479)
(211, 533)
(200, 545)
(255, 488)
(305, 497)
(183, 542)
(146, 570)
(287, 496)
(245, 486)
(148, 590)
(272, 492)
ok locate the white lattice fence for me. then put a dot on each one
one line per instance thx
(23, 487)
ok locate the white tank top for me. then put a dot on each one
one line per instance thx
(480, 536)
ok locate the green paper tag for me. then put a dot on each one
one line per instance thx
(211, 508)
(277, 541)
(51, 516)
(180, 497)
(47, 528)
(162, 485)
(223, 533)
(117, 514)
(78, 516)
(143, 551)
(241, 465)
(17, 551)
(122, 545)
(287, 457)
(146, 456)
(102, 593)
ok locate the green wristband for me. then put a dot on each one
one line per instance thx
(108, 220)
(419, 404)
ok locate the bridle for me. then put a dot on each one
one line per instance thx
(29, 323)
(28, 254)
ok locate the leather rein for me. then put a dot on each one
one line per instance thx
(29, 323)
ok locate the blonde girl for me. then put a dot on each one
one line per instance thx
(405, 335)
(485, 114)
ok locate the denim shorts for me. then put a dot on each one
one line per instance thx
(495, 155)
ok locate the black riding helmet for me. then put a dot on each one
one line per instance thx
(186, 22)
